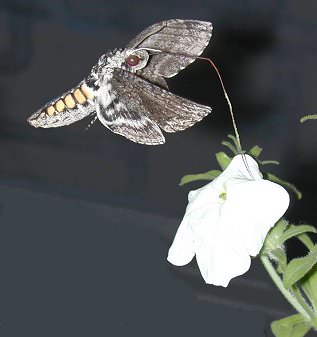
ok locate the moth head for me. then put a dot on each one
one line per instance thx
(135, 59)
(128, 59)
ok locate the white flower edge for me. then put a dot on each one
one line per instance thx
(227, 220)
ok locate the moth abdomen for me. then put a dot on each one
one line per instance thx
(65, 109)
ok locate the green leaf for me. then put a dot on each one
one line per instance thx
(223, 159)
(231, 147)
(272, 240)
(269, 162)
(306, 240)
(279, 228)
(287, 185)
(291, 326)
(235, 141)
(255, 151)
(210, 175)
(279, 256)
(309, 283)
(306, 118)
(299, 267)
(293, 230)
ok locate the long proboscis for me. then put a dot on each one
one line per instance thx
(234, 124)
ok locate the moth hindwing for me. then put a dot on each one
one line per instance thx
(126, 90)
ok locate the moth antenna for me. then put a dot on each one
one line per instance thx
(91, 123)
(231, 113)
(149, 49)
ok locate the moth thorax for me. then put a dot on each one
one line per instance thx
(136, 59)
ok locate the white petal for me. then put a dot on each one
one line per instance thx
(235, 173)
(200, 202)
(217, 256)
(251, 209)
(240, 169)
(247, 215)
(181, 251)
(224, 233)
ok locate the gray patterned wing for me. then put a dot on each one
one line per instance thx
(128, 119)
(171, 112)
(173, 38)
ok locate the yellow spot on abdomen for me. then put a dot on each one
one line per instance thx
(80, 97)
(60, 106)
(87, 91)
(69, 101)
(42, 114)
(50, 110)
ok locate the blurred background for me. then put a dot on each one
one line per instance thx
(266, 52)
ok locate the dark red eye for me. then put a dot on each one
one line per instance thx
(132, 60)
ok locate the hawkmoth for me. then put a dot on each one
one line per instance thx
(126, 90)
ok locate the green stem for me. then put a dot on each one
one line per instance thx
(303, 302)
(278, 282)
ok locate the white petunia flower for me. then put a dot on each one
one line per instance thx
(227, 220)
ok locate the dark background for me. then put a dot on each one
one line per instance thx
(53, 180)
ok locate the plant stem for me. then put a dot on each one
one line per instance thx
(278, 282)
(301, 300)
